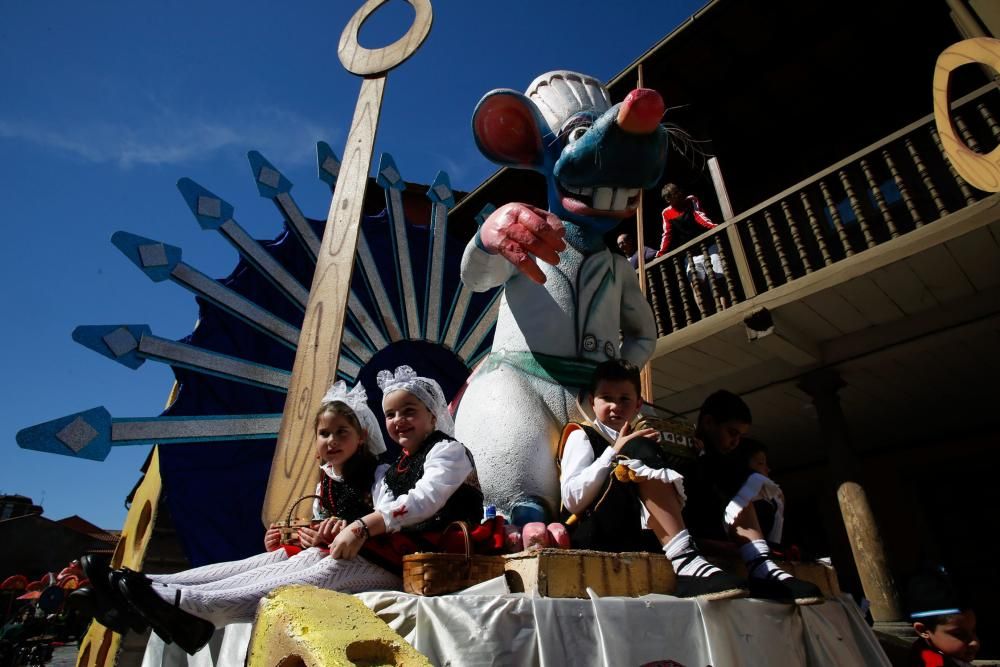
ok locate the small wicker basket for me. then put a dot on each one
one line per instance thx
(676, 438)
(440, 573)
(290, 527)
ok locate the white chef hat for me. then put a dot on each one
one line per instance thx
(560, 94)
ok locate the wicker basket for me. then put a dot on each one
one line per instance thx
(290, 527)
(440, 573)
(676, 438)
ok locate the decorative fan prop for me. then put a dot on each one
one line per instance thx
(407, 304)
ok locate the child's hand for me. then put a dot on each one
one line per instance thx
(272, 538)
(697, 445)
(626, 434)
(309, 537)
(349, 542)
(329, 529)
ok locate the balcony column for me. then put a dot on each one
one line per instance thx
(859, 522)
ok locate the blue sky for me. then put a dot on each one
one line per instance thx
(105, 105)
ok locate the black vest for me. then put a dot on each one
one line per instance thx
(348, 500)
(466, 504)
(613, 522)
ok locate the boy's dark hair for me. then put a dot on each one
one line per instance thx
(749, 446)
(670, 187)
(614, 370)
(932, 598)
(725, 406)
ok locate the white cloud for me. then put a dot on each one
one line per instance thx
(175, 138)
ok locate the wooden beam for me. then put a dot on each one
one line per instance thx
(862, 530)
(316, 359)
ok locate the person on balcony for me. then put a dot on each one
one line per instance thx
(626, 243)
(683, 221)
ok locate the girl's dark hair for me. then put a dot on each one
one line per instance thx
(361, 467)
(359, 470)
(340, 409)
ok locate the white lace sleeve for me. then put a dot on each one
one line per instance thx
(380, 492)
(317, 504)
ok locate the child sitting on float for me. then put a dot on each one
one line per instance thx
(187, 606)
(598, 461)
(944, 623)
(721, 492)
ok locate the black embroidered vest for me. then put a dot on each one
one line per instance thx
(613, 521)
(348, 500)
(465, 504)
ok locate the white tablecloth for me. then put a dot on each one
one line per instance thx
(520, 631)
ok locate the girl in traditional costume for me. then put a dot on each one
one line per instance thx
(187, 606)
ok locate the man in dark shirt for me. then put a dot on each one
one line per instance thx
(626, 243)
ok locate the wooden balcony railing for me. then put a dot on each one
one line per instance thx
(890, 188)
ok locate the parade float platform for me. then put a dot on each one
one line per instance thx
(483, 627)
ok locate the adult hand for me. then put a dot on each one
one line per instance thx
(329, 529)
(626, 434)
(518, 232)
(272, 538)
(349, 542)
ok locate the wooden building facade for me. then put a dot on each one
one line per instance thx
(858, 313)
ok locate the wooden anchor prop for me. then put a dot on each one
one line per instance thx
(292, 471)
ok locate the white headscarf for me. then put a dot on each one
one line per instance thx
(426, 390)
(357, 400)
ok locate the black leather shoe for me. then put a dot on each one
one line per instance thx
(719, 586)
(168, 620)
(106, 606)
(788, 590)
(125, 610)
(84, 600)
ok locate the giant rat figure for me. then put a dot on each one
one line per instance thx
(568, 302)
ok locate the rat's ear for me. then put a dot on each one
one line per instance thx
(509, 129)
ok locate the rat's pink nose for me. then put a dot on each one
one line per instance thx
(641, 111)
